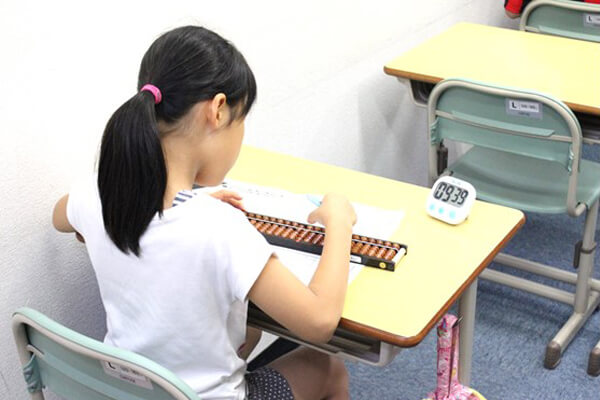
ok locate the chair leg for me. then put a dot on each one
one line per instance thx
(594, 361)
(563, 338)
(585, 303)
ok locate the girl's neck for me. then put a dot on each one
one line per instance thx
(181, 166)
(190, 147)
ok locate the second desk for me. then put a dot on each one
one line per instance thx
(564, 68)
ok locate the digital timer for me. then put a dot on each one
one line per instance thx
(450, 200)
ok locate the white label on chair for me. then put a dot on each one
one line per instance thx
(531, 109)
(591, 20)
(126, 374)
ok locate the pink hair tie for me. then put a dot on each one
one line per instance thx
(154, 90)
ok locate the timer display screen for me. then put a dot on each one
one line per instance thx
(450, 194)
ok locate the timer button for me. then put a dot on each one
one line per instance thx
(441, 210)
(452, 214)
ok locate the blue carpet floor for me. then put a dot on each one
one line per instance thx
(511, 332)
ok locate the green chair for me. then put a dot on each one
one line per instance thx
(77, 367)
(525, 153)
(562, 18)
(573, 20)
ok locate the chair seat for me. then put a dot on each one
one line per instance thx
(522, 182)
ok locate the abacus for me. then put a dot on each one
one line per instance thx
(367, 251)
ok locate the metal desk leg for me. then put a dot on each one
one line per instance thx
(466, 311)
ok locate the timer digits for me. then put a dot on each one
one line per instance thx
(450, 200)
(449, 193)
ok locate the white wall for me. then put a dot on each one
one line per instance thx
(65, 67)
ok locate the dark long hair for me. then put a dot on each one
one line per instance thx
(189, 65)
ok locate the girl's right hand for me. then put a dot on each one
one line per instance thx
(334, 209)
(312, 312)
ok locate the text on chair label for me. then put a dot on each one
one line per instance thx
(531, 109)
(591, 20)
(126, 374)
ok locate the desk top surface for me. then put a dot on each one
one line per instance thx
(565, 68)
(397, 307)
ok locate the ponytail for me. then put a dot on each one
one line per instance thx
(132, 176)
(189, 65)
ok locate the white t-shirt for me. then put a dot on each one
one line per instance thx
(183, 303)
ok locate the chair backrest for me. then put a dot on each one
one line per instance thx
(562, 18)
(516, 121)
(77, 367)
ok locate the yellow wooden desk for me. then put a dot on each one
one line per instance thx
(399, 308)
(564, 68)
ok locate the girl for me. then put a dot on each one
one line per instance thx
(175, 276)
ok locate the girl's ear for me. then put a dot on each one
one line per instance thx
(217, 113)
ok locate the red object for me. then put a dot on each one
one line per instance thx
(516, 6)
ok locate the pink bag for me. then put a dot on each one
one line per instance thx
(448, 387)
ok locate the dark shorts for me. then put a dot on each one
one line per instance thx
(267, 384)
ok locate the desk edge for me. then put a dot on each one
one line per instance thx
(411, 75)
(403, 341)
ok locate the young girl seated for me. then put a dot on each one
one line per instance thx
(514, 8)
(177, 268)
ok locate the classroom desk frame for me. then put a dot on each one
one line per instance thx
(387, 311)
(420, 68)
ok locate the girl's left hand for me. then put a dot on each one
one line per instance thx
(229, 197)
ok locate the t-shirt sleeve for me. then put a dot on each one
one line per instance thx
(82, 205)
(248, 252)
